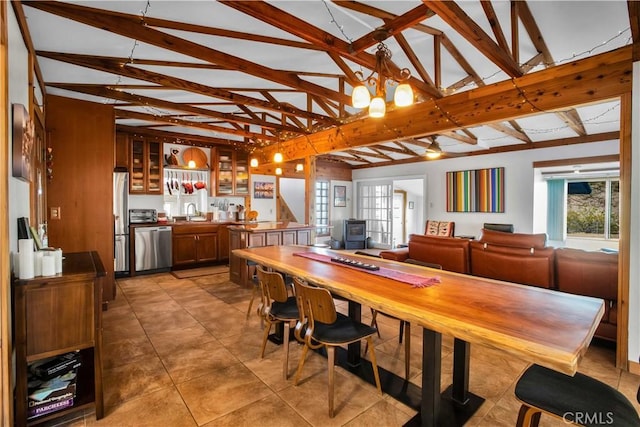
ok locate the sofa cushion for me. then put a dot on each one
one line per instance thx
(525, 265)
(588, 273)
(451, 253)
(396, 254)
(517, 240)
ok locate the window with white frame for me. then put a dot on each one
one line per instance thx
(584, 208)
(322, 207)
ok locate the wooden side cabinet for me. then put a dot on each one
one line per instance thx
(57, 315)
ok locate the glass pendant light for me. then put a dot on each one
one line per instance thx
(378, 107)
(403, 95)
(278, 171)
(360, 97)
(299, 167)
(278, 157)
(253, 163)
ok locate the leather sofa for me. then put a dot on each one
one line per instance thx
(449, 252)
(513, 257)
(592, 274)
(524, 258)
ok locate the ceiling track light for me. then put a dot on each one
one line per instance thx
(403, 96)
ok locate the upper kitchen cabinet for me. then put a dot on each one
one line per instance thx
(232, 174)
(122, 156)
(145, 167)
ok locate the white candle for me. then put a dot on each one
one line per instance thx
(38, 263)
(48, 265)
(58, 255)
(26, 259)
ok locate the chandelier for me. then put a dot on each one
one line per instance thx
(403, 96)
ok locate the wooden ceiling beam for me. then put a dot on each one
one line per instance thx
(516, 147)
(494, 22)
(590, 80)
(573, 120)
(105, 92)
(516, 133)
(360, 153)
(417, 142)
(120, 67)
(170, 136)
(413, 58)
(170, 120)
(393, 26)
(462, 138)
(132, 26)
(457, 19)
(401, 150)
(296, 26)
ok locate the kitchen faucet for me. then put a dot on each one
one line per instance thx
(194, 210)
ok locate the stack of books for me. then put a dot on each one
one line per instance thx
(52, 384)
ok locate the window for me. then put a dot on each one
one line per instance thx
(322, 207)
(585, 208)
(375, 201)
(593, 208)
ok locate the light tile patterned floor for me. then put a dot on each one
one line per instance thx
(180, 352)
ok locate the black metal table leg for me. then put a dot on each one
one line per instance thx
(461, 353)
(353, 352)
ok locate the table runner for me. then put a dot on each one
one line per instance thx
(412, 279)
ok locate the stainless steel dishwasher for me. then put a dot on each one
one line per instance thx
(153, 248)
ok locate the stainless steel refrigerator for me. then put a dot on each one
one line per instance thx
(121, 220)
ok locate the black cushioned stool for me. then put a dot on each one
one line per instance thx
(579, 399)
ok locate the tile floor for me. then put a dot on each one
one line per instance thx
(180, 352)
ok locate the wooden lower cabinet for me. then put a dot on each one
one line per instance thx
(194, 244)
(54, 316)
(276, 234)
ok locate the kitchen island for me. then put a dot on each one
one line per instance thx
(251, 235)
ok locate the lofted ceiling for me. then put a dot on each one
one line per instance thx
(255, 75)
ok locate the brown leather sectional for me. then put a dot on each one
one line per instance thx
(524, 258)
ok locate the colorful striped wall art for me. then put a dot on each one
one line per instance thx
(480, 190)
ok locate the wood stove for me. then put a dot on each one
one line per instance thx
(355, 234)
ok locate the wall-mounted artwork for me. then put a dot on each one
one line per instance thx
(340, 196)
(480, 190)
(263, 190)
(22, 144)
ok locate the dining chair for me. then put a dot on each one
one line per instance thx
(322, 326)
(405, 327)
(579, 399)
(276, 307)
(251, 272)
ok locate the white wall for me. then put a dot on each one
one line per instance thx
(266, 207)
(519, 183)
(414, 221)
(337, 215)
(634, 229)
(292, 192)
(19, 204)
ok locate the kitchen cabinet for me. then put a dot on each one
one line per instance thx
(56, 315)
(232, 177)
(145, 167)
(194, 244)
(122, 150)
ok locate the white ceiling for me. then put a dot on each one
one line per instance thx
(571, 30)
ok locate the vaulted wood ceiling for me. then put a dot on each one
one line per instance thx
(267, 76)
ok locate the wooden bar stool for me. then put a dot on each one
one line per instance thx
(580, 400)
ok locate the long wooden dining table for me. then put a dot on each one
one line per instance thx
(541, 326)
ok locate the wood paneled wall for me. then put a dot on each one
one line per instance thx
(82, 135)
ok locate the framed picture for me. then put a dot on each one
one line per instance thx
(262, 190)
(340, 196)
(410, 205)
(480, 190)
(22, 143)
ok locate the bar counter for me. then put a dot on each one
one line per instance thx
(257, 234)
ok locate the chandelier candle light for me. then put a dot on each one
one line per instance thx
(361, 97)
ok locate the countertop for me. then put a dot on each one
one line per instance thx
(268, 225)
